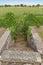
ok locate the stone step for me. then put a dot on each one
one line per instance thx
(27, 64)
(19, 64)
(20, 44)
(20, 38)
(3, 63)
(22, 48)
(11, 63)
(15, 64)
(20, 56)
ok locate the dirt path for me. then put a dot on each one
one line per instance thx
(21, 44)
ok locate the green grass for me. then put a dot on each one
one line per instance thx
(40, 20)
(20, 10)
(19, 18)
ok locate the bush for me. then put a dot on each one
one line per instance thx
(9, 20)
(25, 29)
(13, 32)
(20, 24)
(32, 20)
(29, 32)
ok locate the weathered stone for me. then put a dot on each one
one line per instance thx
(36, 42)
(41, 63)
(20, 56)
(36, 63)
(27, 64)
(5, 41)
(0, 63)
(4, 63)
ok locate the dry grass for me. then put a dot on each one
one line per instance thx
(20, 10)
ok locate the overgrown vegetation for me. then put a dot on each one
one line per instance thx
(9, 20)
(20, 24)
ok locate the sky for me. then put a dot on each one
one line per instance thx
(28, 2)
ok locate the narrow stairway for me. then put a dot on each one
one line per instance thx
(21, 44)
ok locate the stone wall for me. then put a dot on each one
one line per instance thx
(5, 41)
(36, 42)
(21, 57)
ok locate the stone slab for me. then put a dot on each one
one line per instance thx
(36, 42)
(20, 56)
(41, 63)
(3, 40)
(27, 64)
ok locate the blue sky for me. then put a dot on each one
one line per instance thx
(28, 2)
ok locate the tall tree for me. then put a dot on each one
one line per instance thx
(21, 5)
(38, 5)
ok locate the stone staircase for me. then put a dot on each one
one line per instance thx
(21, 44)
(20, 54)
(18, 57)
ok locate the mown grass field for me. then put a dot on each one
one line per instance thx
(20, 10)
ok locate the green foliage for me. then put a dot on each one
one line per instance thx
(40, 19)
(7, 5)
(20, 24)
(13, 32)
(25, 28)
(38, 5)
(38, 25)
(1, 22)
(9, 19)
(21, 5)
(29, 32)
(32, 20)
